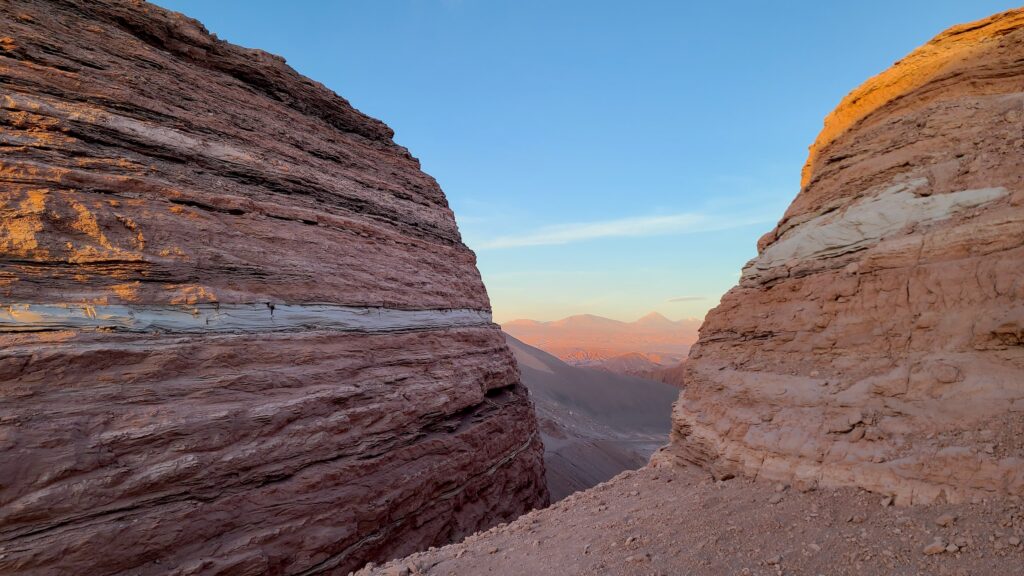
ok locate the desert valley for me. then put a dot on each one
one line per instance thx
(593, 423)
(242, 333)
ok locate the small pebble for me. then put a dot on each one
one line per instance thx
(945, 520)
(936, 547)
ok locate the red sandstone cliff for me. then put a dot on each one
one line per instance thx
(876, 340)
(239, 331)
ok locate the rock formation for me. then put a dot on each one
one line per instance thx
(877, 340)
(239, 332)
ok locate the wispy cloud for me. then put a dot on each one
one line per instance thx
(687, 298)
(686, 223)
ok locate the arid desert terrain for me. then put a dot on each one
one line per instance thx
(241, 333)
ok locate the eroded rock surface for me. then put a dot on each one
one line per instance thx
(877, 340)
(239, 332)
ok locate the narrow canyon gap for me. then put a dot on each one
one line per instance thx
(240, 332)
(855, 405)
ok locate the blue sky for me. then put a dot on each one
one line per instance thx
(601, 157)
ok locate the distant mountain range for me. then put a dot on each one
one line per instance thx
(637, 347)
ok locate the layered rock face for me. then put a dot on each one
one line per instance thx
(239, 331)
(877, 340)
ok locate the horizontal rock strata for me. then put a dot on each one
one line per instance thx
(877, 339)
(239, 331)
(265, 317)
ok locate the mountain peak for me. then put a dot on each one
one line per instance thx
(654, 318)
(591, 321)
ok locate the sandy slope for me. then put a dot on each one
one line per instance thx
(671, 520)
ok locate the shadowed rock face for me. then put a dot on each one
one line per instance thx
(239, 331)
(877, 340)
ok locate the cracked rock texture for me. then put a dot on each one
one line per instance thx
(877, 340)
(155, 180)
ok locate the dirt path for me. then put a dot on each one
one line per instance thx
(669, 520)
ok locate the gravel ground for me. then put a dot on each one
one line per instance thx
(669, 520)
